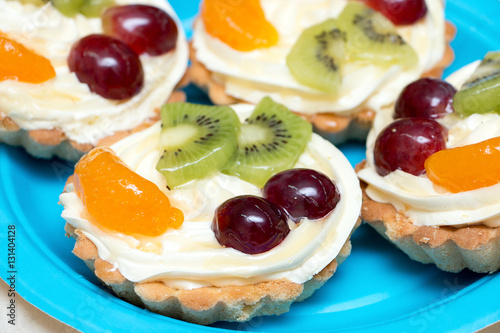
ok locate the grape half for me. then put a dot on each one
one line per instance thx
(250, 224)
(400, 12)
(146, 29)
(405, 145)
(108, 66)
(302, 193)
(427, 97)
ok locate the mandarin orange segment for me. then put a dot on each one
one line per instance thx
(119, 199)
(241, 24)
(20, 64)
(466, 168)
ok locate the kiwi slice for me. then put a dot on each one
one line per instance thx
(316, 59)
(196, 141)
(34, 2)
(372, 37)
(271, 140)
(94, 8)
(481, 93)
(68, 7)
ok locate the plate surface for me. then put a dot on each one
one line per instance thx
(378, 289)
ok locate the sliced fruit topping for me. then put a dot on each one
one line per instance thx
(317, 57)
(20, 64)
(94, 8)
(108, 66)
(372, 37)
(240, 24)
(466, 168)
(119, 199)
(400, 12)
(271, 140)
(250, 224)
(146, 29)
(34, 2)
(480, 94)
(427, 97)
(302, 193)
(405, 145)
(89, 8)
(68, 7)
(196, 141)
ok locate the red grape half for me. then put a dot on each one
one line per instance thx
(250, 224)
(405, 145)
(146, 29)
(302, 193)
(400, 12)
(109, 67)
(427, 97)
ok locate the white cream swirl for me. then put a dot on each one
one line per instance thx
(191, 257)
(252, 75)
(416, 196)
(65, 103)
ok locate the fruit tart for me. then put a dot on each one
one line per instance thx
(78, 74)
(335, 62)
(432, 170)
(214, 213)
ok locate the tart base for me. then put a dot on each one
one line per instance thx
(204, 305)
(335, 128)
(476, 247)
(48, 143)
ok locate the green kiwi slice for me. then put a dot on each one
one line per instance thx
(94, 8)
(316, 59)
(196, 141)
(68, 7)
(372, 37)
(34, 2)
(481, 93)
(271, 140)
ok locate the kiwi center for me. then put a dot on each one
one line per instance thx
(177, 136)
(252, 134)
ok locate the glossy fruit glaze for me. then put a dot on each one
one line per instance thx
(108, 66)
(119, 199)
(240, 24)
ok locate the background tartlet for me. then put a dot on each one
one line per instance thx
(229, 75)
(62, 116)
(431, 224)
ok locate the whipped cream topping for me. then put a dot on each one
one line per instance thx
(416, 196)
(191, 257)
(250, 76)
(64, 102)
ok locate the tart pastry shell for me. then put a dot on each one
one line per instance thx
(204, 305)
(476, 247)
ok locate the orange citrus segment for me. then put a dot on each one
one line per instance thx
(20, 64)
(121, 200)
(466, 168)
(241, 24)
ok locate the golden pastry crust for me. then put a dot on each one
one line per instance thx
(335, 128)
(476, 247)
(204, 305)
(46, 143)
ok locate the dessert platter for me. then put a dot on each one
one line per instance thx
(376, 289)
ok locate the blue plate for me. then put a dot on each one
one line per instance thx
(378, 289)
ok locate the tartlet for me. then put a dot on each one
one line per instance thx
(61, 116)
(185, 273)
(430, 224)
(231, 76)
